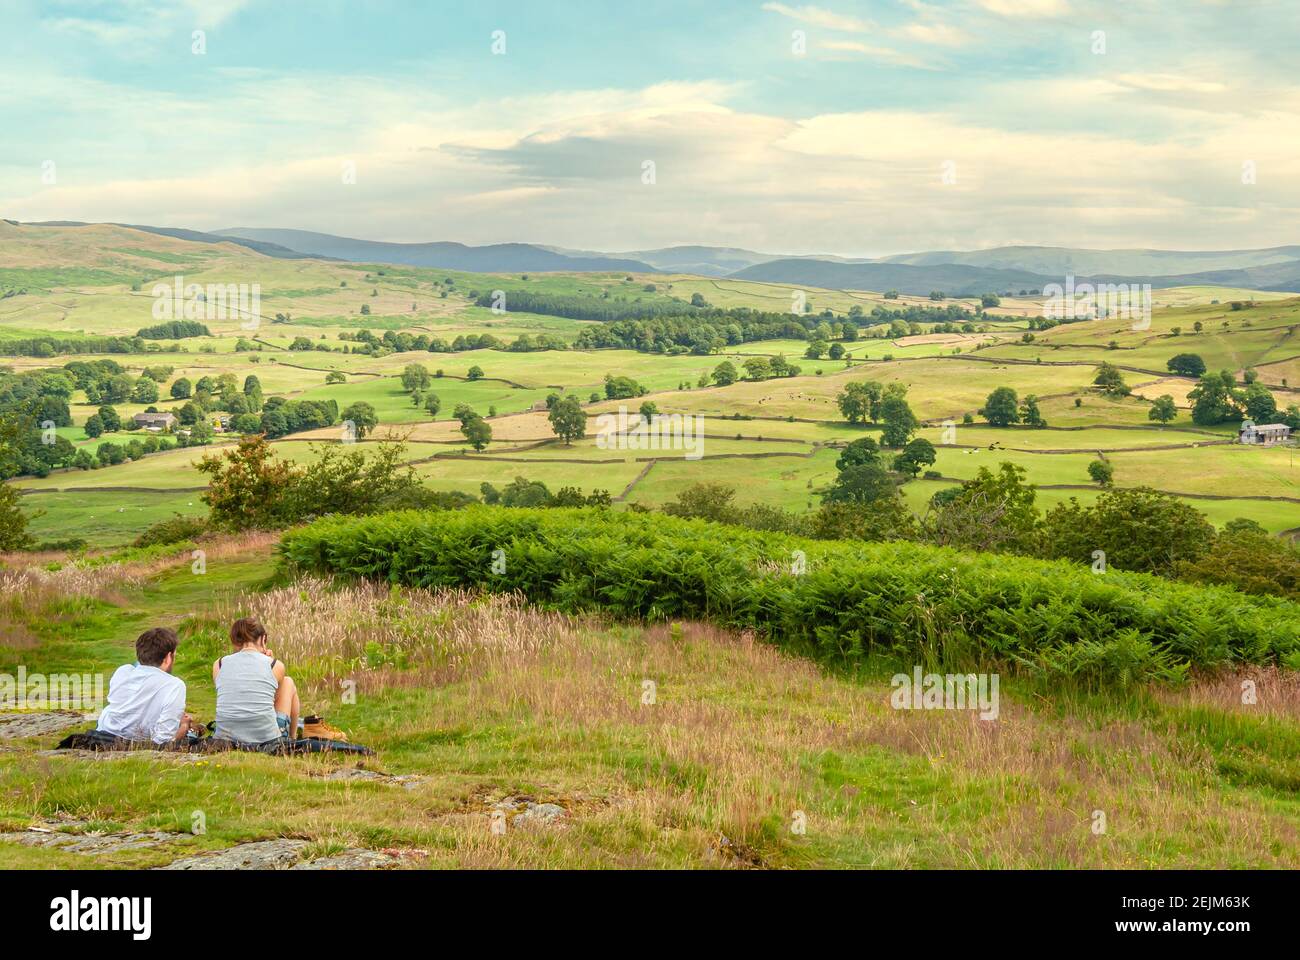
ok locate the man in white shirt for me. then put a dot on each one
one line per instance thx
(145, 702)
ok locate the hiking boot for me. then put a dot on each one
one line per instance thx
(315, 728)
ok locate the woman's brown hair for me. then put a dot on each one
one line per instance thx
(245, 631)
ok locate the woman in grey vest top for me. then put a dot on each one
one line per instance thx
(256, 702)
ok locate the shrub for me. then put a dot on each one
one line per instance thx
(175, 529)
(1139, 529)
(935, 604)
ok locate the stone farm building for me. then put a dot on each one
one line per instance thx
(155, 421)
(1266, 434)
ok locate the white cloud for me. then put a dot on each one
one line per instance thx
(884, 54)
(1029, 9)
(820, 17)
(1170, 83)
(129, 26)
(1100, 161)
(942, 34)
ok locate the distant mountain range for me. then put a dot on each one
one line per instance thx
(958, 279)
(955, 272)
(491, 258)
(1057, 261)
(195, 236)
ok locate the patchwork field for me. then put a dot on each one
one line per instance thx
(774, 440)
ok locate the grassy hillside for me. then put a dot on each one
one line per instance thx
(484, 705)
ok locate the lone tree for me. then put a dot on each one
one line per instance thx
(860, 402)
(1111, 380)
(1001, 409)
(860, 451)
(1030, 415)
(415, 377)
(917, 454)
(863, 483)
(1187, 364)
(13, 522)
(899, 421)
(477, 431)
(363, 417)
(1163, 409)
(432, 404)
(1213, 400)
(568, 419)
(724, 374)
(1101, 472)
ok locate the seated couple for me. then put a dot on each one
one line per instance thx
(257, 704)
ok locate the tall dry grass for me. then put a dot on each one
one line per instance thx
(741, 735)
(382, 637)
(1276, 692)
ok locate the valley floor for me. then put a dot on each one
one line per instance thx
(512, 737)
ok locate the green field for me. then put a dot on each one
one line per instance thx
(98, 280)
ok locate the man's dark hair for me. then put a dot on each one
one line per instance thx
(152, 646)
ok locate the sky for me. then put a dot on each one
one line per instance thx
(851, 128)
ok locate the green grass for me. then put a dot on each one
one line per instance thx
(107, 518)
(740, 738)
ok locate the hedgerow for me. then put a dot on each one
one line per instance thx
(931, 604)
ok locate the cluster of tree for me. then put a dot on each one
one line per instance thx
(27, 448)
(304, 344)
(59, 346)
(394, 341)
(699, 335)
(579, 307)
(536, 343)
(756, 368)
(674, 327)
(1140, 530)
(252, 488)
(953, 313)
(1217, 398)
(223, 392)
(867, 401)
(174, 330)
(1003, 407)
(281, 417)
(15, 434)
(44, 394)
(861, 474)
(522, 492)
(622, 388)
(476, 430)
(110, 454)
(106, 381)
